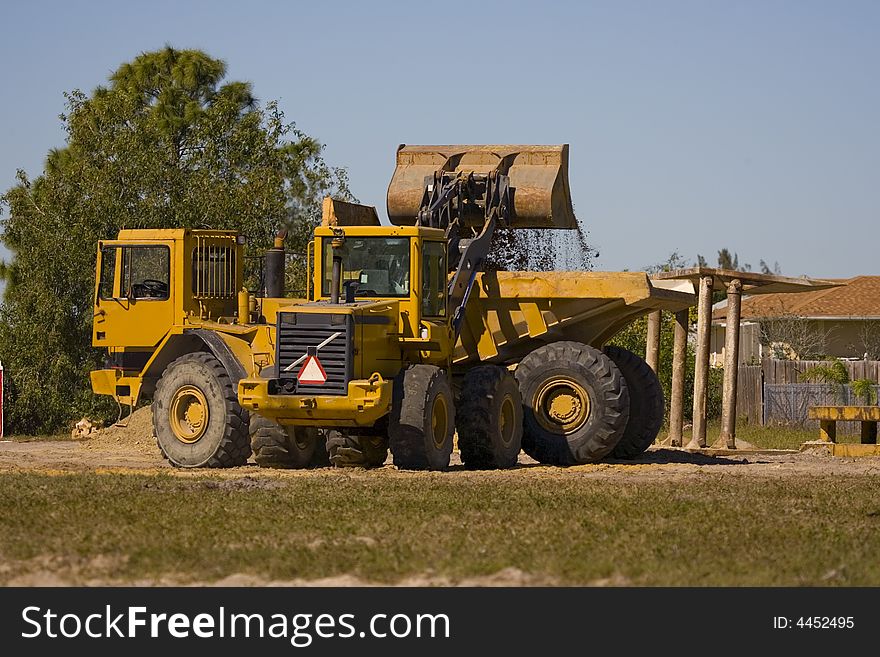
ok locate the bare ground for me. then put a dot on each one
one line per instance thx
(133, 449)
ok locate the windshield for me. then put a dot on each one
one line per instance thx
(380, 265)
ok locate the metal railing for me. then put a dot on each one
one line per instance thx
(787, 403)
(214, 267)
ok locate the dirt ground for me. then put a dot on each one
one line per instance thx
(133, 449)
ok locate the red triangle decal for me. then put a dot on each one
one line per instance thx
(312, 372)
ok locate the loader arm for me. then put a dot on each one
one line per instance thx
(456, 202)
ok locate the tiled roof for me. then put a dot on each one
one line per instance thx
(859, 297)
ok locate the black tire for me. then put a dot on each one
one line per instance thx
(489, 418)
(422, 420)
(575, 404)
(646, 403)
(321, 458)
(277, 446)
(190, 387)
(346, 450)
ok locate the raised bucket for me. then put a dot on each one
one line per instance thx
(538, 180)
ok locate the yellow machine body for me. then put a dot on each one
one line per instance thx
(508, 314)
(162, 294)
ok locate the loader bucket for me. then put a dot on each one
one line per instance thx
(538, 180)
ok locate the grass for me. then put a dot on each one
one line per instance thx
(768, 437)
(706, 530)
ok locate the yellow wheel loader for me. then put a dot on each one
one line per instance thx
(403, 338)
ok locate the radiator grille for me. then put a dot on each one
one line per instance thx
(299, 331)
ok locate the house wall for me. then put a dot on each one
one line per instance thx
(843, 339)
(749, 344)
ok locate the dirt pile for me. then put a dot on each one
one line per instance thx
(136, 435)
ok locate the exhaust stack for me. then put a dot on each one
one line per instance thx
(273, 267)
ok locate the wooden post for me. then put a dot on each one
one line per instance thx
(731, 364)
(652, 342)
(679, 354)
(701, 371)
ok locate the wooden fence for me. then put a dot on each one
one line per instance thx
(789, 371)
(750, 394)
(772, 392)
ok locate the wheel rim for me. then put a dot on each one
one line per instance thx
(189, 414)
(439, 421)
(506, 421)
(562, 405)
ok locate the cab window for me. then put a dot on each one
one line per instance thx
(108, 271)
(380, 265)
(146, 272)
(433, 279)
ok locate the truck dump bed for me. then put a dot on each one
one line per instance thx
(510, 313)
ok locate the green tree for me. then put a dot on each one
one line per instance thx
(167, 143)
(728, 260)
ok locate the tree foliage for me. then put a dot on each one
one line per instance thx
(166, 144)
(833, 374)
(730, 260)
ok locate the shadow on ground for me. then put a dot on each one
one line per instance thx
(661, 456)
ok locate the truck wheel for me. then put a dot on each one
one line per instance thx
(575, 403)
(321, 459)
(489, 418)
(422, 419)
(277, 446)
(350, 451)
(646, 404)
(196, 416)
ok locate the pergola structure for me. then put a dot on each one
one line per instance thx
(703, 281)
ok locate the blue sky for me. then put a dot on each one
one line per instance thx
(693, 125)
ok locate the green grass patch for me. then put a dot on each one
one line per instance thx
(572, 529)
(767, 437)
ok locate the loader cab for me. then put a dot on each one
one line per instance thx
(402, 263)
(133, 297)
(148, 280)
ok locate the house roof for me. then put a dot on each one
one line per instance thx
(857, 297)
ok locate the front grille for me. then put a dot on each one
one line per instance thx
(299, 331)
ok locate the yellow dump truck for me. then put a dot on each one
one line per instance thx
(403, 337)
